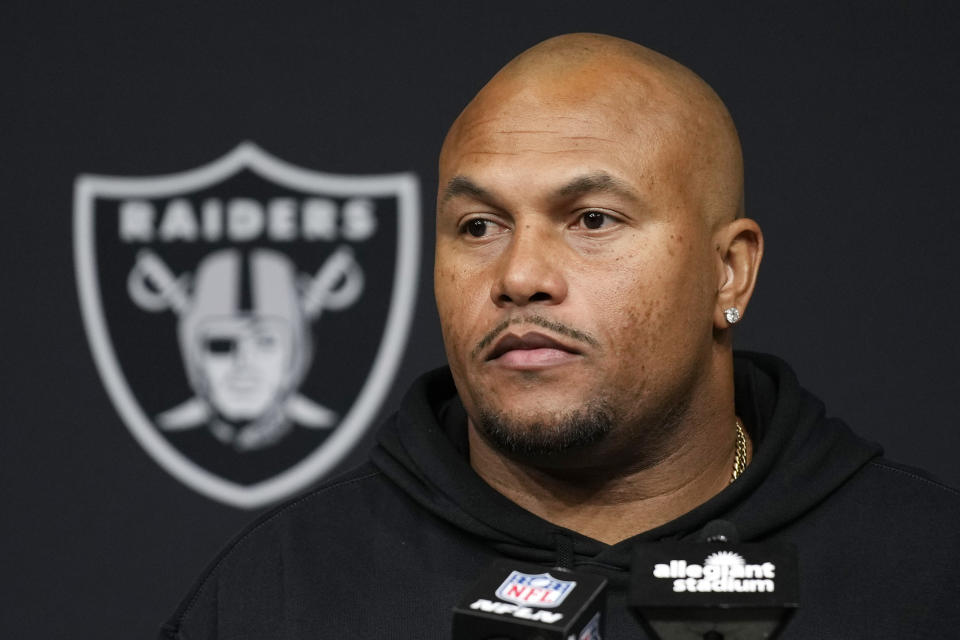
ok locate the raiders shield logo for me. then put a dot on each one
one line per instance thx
(247, 317)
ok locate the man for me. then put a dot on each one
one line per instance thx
(591, 257)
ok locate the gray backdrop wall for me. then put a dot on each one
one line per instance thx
(848, 115)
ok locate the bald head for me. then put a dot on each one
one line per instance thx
(644, 99)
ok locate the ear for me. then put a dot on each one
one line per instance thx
(739, 247)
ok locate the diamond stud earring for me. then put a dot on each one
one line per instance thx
(732, 315)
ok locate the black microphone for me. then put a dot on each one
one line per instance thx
(715, 588)
(516, 601)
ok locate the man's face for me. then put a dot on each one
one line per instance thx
(246, 363)
(575, 275)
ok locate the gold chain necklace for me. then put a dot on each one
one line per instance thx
(740, 460)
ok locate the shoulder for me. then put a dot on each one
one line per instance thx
(889, 503)
(359, 493)
(916, 500)
(335, 520)
(885, 480)
(913, 480)
(878, 552)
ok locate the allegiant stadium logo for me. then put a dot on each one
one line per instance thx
(721, 572)
(247, 317)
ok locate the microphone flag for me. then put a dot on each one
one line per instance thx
(518, 601)
(697, 590)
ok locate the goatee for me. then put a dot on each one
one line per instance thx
(547, 435)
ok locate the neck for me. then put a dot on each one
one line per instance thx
(614, 501)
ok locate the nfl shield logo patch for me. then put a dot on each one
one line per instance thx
(247, 317)
(534, 590)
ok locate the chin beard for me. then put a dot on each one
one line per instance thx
(547, 435)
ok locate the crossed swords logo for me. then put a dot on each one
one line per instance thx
(336, 285)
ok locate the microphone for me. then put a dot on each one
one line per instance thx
(715, 588)
(517, 601)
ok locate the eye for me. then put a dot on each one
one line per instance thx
(220, 345)
(478, 227)
(265, 341)
(594, 219)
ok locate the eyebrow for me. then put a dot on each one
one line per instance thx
(598, 181)
(463, 186)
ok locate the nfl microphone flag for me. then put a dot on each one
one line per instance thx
(521, 602)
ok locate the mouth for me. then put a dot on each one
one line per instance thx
(530, 351)
(242, 383)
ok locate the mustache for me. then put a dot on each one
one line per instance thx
(540, 321)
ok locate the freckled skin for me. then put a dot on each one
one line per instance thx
(649, 285)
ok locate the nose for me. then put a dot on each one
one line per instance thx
(530, 271)
(243, 352)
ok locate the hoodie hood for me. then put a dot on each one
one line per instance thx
(800, 458)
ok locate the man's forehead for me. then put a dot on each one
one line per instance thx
(577, 184)
(597, 129)
(553, 140)
(526, 116)
(558, 153)
(530, 117)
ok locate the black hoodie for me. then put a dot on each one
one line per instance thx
(387, 550)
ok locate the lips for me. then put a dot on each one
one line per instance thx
(527, 342)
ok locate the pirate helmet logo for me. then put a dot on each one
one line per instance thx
(245, 308)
